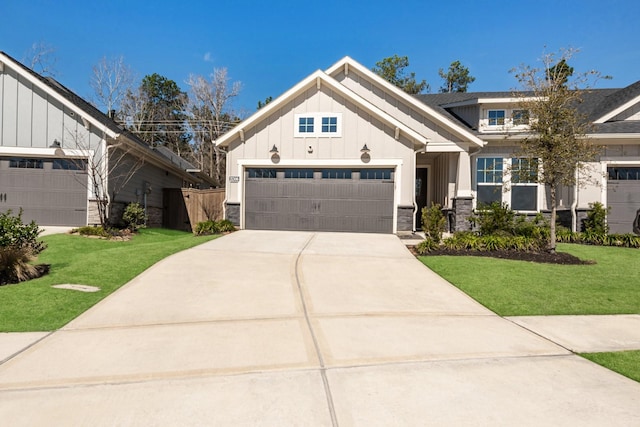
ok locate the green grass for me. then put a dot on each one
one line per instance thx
(518, 288)
(626, 363)
(36, 306)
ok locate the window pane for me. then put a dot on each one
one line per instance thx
(496, 117)
(375, 174)
(261, 173)
(524, 170)
(336, 174)
(520, 117)
(329, 124)
(524, 197)
(23, 163)
(298, 173)
(70, 165)
(489, 170)
(488, 194)
(624, 173)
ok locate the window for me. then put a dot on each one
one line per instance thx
(524, 184)
(70, 165)
(375, 174)
(261, 173)
(336, 174)
(489, 179)
(496, 117)
(305, 124)
(318, 125)
(298, 173)
(329, 124)
(520, 117)
(624, 173)
(23, 163)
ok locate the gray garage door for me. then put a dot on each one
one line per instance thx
(354, 200)
(50, 191)
(623, 196)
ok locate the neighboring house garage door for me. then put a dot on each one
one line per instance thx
(50, 191)
(623, 197)
(354, 200)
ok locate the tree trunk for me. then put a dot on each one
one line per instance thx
(552, 225)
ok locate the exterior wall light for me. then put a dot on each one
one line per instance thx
(274, 150)
(364, 149)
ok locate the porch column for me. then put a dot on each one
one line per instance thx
(463, 200)
(463, 177)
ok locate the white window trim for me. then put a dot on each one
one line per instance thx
(507, 184)
(508, 121)
(317, 125)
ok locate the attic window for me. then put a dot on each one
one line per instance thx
(318, 125)
(520, 117)
(496, 117)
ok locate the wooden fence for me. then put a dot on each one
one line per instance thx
(185, 207)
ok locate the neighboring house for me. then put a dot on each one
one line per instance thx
(344, 150)
(53, 144)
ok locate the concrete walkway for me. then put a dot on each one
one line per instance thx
(295, 328)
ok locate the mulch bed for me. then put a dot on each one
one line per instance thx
(543, 257)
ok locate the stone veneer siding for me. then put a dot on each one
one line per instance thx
(462, 211)
(232, 213)
(405, 218)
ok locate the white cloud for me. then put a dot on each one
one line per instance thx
(207, 57)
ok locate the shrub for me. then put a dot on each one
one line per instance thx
(134, 217)
(225, 226)
(90, 230)
(426, 246)
(13, 232)
(206, 227)
(433, 222)
(19, 246)
(596, 220)
(493, 218)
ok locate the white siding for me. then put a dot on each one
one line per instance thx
(392, 105)
(358, 128)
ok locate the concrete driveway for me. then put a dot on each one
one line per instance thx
(297, 328)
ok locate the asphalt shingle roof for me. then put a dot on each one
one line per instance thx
(595, 104)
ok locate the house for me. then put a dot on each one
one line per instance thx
(344, 150)
(59, 155)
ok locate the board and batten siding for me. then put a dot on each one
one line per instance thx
(29, 118)
(391, 104)
(358, 128)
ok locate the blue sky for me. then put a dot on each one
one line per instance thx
(271, 45)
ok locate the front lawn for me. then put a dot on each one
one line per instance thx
(520, 288)
(36, 306)
(626, 363)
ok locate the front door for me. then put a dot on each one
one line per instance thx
(421, 194)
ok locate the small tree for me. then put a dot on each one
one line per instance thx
(392, 69)
(210, 116)
(433, 222)
(558, 130)
(112, 79)
(456, 79)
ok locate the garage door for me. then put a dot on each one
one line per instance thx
(50, 191)
(354, 200)
(623, 196)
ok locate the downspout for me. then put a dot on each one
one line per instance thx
(574, 204)
(415, 202)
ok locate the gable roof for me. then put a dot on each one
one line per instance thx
(435, 114)
(319, 78)
(616, 102)
(598, 105)
(91, 114)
